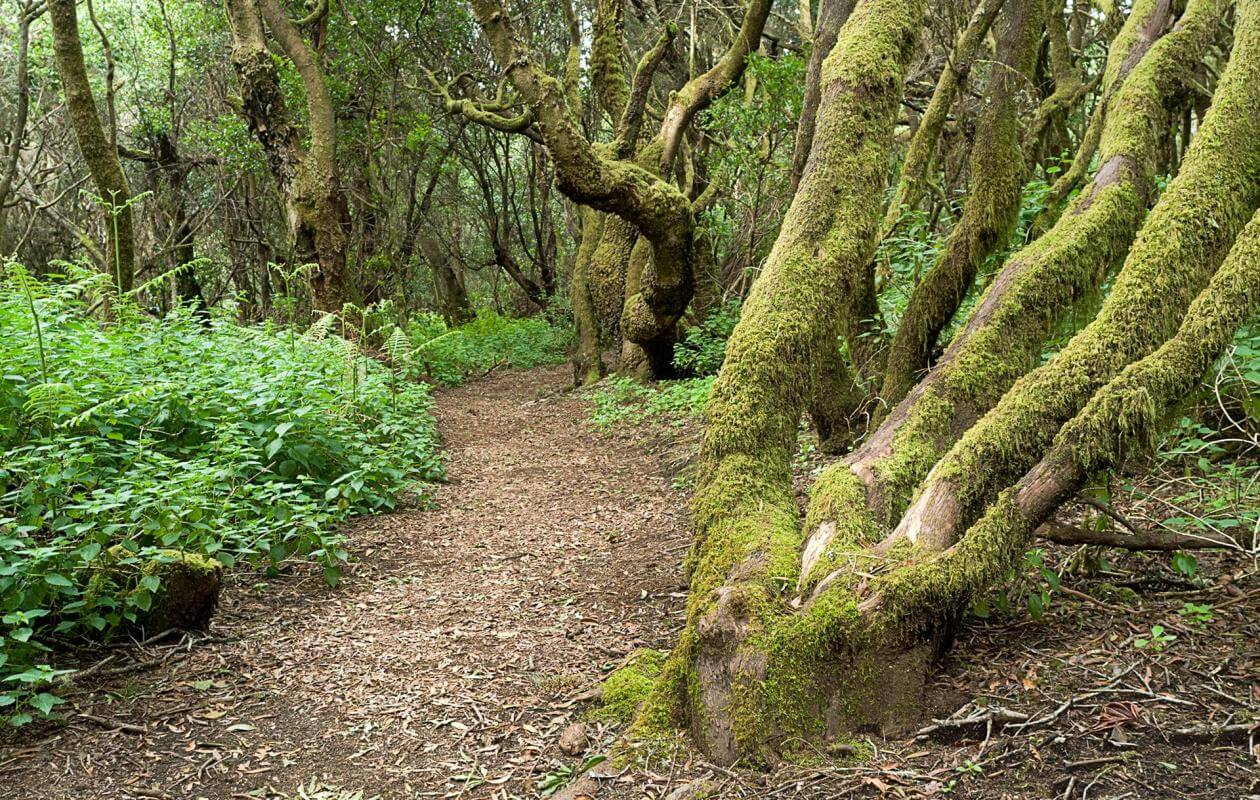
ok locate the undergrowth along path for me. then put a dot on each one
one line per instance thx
(445, 664)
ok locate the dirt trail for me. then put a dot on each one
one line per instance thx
(440, 667)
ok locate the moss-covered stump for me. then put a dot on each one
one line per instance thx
(165, 589)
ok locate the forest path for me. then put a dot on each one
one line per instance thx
(441, 665)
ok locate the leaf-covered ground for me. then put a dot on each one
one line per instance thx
(466, 639)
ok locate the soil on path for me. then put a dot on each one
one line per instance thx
(440, 667)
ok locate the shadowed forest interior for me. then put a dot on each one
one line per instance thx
(629, 399)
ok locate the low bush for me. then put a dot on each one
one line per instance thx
(620, 401)
(450, 356)
(703, 346)
(143, 436)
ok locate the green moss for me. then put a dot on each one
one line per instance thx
(1003, 339)
(1171, 261)
(1114, 594)
(607, 73)
(625, 690)
(1131, 411)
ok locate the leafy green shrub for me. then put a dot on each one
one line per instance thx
(1211, 456)
(450, 355)
(704, 346)
(623, 401)
(239, 443)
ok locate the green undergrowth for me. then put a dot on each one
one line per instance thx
(703, 346)
(450, 355)
(618, 401)
(623, 691)
(147, 436)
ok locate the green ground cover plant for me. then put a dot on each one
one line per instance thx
(136, 438)
(451, 355)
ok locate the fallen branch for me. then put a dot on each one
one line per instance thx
(979, 717)
(1237, 732)
(1137, 540)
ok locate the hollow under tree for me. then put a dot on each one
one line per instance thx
(644, 247)
(827, 626)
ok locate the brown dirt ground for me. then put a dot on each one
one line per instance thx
(454, 654)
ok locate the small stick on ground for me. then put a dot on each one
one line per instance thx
(113, 724)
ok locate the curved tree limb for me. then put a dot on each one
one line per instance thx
(997, 172)
(923, 144)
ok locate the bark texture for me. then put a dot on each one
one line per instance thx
(99, 153)
(315, 204)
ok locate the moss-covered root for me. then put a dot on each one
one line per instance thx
(1174, 257)
(997, 173)
(186, 592)
(623, 692)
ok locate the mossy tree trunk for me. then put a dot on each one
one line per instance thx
(317, 213)
(98, 151)
(629, 178)
(992, 205)
(832, 14)
(588, 356)
(922, 148)
(747, 533)
(827, 626)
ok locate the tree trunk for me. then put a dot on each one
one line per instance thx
(588, 360)
(315, 206)
(831, 17)
(448, 285)
(992, 205)
(922, 147)
(760, 665)
(745, 512)
(28, 12)
(98, 153)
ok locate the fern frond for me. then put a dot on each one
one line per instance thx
(134, 397)
(49, 400)
(320, 329)
(398, 347)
